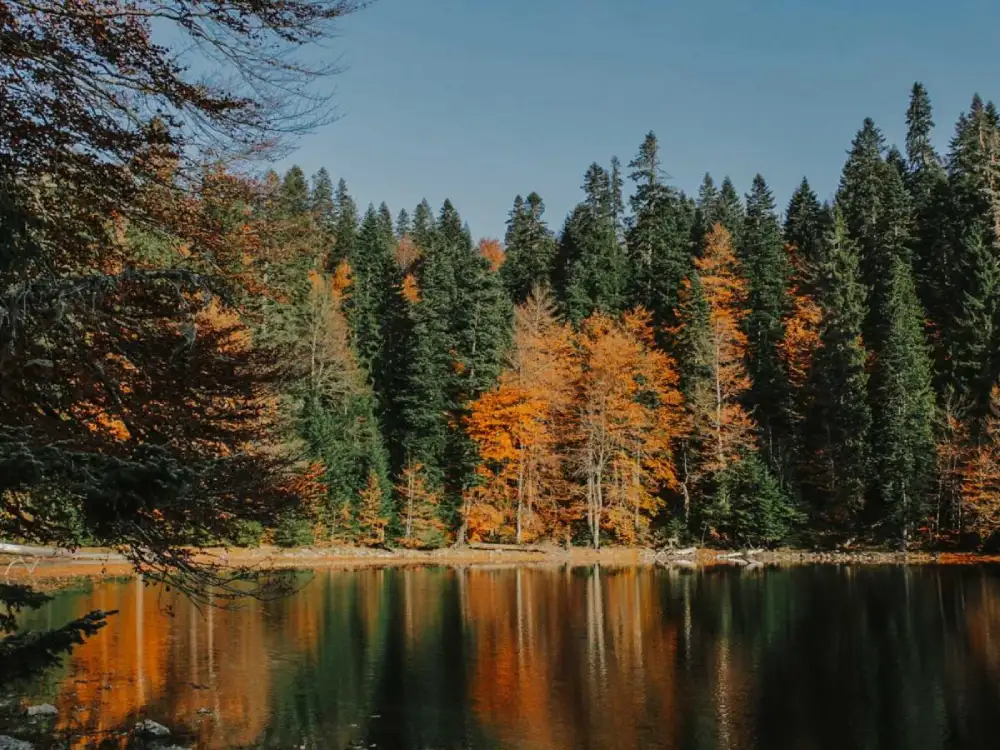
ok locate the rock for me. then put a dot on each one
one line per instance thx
(12, 743)
(42, 709)
(150, 728)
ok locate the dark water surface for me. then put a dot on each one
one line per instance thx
(811, 658)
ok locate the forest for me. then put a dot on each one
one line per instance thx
(666, 367)
(197, 351)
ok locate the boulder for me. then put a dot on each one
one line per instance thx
(12, 743)
(42, 709)
(149, 728)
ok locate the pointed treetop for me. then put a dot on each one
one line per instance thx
(919, 124)
(646, 166)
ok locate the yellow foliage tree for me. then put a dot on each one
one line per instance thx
(627, 411)
(517, 428)
(418, 510)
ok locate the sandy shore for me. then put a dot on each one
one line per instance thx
(53, 571)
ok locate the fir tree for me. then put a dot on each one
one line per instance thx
(531, 248)
(903, 407)
(839, 419)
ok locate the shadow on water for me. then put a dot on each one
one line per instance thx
(589, 657)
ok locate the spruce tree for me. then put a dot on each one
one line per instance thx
(371, 262)
(423, 224)
(768, 272)
(839, 419)
(321, 202)
(903, 407)
(345, 230)
(877, 215)
(596, 267)
(658, 238)
(294, 196)
(729, 210)
(530, 248)
(806, 225)
(927, 183)
(403, 225)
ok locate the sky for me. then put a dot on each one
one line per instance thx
(479, 100)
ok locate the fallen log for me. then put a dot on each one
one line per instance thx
(27, 550)
(484, 546)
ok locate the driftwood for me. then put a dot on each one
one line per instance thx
(21, 551)
(507, 547)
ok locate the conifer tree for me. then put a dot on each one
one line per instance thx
(403, 225)
(596, 275)
(321, 203)
(968, 324)
(345, 231)
(768, 274)
(658, 238)
(927, 183)
(729, 210)
(806, 225)
(839, 419)
(903, 407)
(295, 192)
(531, 248)
(423, 224)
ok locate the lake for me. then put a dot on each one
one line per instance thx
(551, 657)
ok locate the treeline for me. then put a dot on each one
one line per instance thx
(686, 367)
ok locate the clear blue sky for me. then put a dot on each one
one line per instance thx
(479, 100)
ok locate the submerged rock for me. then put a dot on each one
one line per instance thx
(42, 709)
(150, 728)
(12, 743)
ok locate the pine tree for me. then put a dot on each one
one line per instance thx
(768, 274)
(658, 238)
(531, 248)
(839, 420)
(903, 407)
(596, 276)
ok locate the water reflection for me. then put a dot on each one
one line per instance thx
(554, 658)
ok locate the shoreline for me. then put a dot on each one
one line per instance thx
(348, 558)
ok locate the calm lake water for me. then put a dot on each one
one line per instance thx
(588, 657)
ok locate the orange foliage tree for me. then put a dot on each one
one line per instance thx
(418, 510)
(627, 411)
(980, 485)
(711, 313)
(517, 428)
